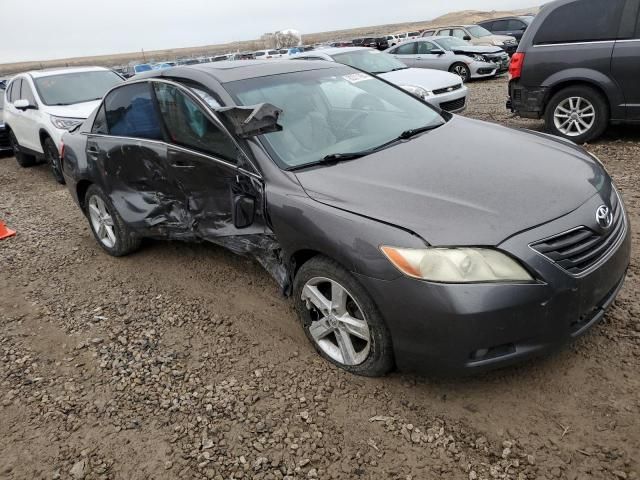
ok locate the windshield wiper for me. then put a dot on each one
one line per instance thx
(334, 158)
(417, 131)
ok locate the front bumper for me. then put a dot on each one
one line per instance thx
(452, 329)
(483, 69)
(453, 102)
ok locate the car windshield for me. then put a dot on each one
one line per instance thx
(332, 111)
(70, 88)
(142, 68)
(371, 61)
(451, 43)
(478, 31)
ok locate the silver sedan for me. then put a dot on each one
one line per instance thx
(472, 63)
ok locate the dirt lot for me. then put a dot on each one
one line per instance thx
(184, 361)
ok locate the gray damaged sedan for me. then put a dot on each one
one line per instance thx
(401, 239)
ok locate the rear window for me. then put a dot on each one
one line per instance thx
(259, 54)
(581, 21)
(273, 52)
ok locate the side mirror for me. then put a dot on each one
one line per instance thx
(466, 38)
(24, 104)
(251, 121)
(437, 52)
(244, 211)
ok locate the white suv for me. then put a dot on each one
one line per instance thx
(41, 105)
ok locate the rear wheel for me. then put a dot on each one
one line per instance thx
(577, 113)
(461, 70)
(23, 159)
(109, 230)
(52, 156)
(341, 320)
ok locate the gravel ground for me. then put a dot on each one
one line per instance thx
(183, 361)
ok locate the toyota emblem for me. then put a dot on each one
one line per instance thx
(604, 217)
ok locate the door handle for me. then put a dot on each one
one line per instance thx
(93, 150)
(181, 164)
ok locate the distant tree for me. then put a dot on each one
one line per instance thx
(286, 40)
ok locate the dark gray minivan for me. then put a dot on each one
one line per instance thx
(577, 67)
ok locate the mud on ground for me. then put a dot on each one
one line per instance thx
(183, 361)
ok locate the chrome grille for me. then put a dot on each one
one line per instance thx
(579, 249)
(452, 88)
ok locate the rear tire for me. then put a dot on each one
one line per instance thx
(52, 156)
(585, 126)
(24, 160)
(108, 228)
(461, 70)
(350, 333)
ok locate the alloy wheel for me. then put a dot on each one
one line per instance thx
(338, 325)
(461, 71)
(102, 222)
(574, 116)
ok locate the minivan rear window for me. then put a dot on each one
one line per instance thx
(581, 21)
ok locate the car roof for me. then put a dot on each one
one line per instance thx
(62, 71)
(231, 71)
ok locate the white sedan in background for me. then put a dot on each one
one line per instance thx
(441, 89)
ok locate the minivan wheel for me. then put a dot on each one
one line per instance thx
(109, 230)
(23, 159)
(52, 156)
(461, 70)
(341, 320)
(577, 113)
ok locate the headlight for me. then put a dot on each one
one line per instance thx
(418, 91)
(457, 265)
(479, 58)
(66, 123)
(498, 43)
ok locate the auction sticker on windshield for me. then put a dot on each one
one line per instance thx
(357, 77)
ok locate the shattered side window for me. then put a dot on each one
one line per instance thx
(189, 127)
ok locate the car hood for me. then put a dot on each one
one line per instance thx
(422, 77)
(477, 49)
(77, 110)
(465, 183)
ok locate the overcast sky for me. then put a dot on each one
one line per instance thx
(48, 29)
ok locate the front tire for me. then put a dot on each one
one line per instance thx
(108, 228)
(461, 70)
(24, 160)
(341, 320)
(52, 156)
(579, 113)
